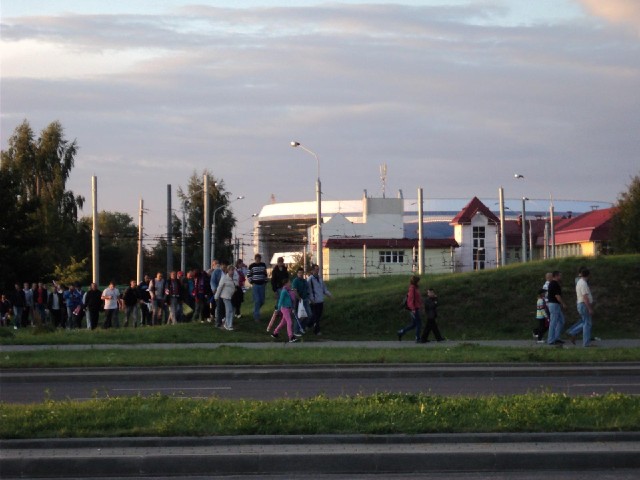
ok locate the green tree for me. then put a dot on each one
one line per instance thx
(36, 172)
(193, 201)
(626, 220)
(118, 245)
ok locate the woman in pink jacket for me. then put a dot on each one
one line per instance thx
(414, 304)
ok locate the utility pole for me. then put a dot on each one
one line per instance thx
(183, 253)
(140, 269)
(169, 233)
(503, 236)
(420, 233)
(95, 233)
(206, 252)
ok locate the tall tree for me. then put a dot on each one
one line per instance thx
(118, 245)
(193, 201)
(38, 170)
(626, 220)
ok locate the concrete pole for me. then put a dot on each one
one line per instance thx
(169, 233)
(319, 223)
(524, 232)
(183, 243)
(530, 242)
(364, 260)
(95, 233)
(206, 252)
(503, 236)
(420, 233)
(140, 266)
(553, 231)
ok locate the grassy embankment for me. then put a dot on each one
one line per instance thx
(495, 304)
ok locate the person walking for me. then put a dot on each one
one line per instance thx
(414, 304)
(111, 295)
(173, 293)
(541, 316)
(285, 304)
(224, 292)
(585, 310)
(18, 301)
(157, 291)
(131, 298)
(257, 276)
(92, 303)
(239, 278)
(431, 310)
(555, 304)
(317, 292)
(301, 287)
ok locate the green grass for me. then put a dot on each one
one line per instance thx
(491, 304)
(230, 355)
(383, 413)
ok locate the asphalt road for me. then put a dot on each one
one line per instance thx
(272, 382)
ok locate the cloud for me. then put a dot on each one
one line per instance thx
(447, 98)
(626, 12)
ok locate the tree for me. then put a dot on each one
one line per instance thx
(626, 220)
(193, 202)
(118, 245)
(36, 172)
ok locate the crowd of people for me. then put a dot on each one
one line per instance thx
(215, 296)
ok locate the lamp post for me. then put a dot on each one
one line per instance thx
(318, 205)
(524, 230)
(206, 252)
(213, 227)
(517, 176)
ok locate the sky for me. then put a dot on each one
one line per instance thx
(454, 96)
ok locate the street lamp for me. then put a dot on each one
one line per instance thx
(213, 227)
(318, 204)
(517, 176)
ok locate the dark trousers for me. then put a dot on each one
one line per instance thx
(93, 317)
(56, 317)
(237, 299)
(542, 328)
(316, 315)
(431, 326)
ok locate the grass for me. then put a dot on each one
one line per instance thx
(231, 355)
(383, 413)
(489, 305)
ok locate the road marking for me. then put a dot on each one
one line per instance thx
(166, 388)
(606, 385)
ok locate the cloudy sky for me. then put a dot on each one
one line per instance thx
(455, 96)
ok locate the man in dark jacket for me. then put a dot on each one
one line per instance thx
(19, 302)
(93, 303)
(279, 276)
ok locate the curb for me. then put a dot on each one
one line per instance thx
(328, 454)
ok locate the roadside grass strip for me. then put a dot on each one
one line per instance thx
(383, 413)
(233, 355)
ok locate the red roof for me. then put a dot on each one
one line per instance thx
(472, 208)
(589, 227)
(389, 242)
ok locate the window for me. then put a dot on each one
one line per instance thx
(391, 256)
(478, 248)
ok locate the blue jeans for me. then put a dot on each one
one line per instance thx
(416, 323)
(556, 322)
(258, 300)
(584, 324)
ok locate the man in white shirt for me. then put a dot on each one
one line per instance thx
(585, 310)
(110, 295)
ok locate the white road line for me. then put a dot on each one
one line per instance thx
(606, 385)
(166, 388)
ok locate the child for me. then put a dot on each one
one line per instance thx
(541, 316)
(285, 303)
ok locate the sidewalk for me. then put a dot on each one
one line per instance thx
(345, 454)
(606, 343)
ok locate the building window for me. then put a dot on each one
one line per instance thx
(391, 256)
(478, 248)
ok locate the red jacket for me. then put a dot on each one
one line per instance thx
(414, 300)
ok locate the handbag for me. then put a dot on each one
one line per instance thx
(302, 312)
